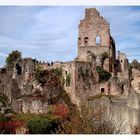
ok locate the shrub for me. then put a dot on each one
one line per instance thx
(54, 74)
(57, 71)
(3, 99)
(39, 126)
(38, 70)
(3, 120)
(60, 110)
(103, 74)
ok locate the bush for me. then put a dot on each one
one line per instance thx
(3, 99)
(38, 71)
(39, 126)
(57, 71)
(3, 120)
(60, 110)
(54, 74)
(103, 74)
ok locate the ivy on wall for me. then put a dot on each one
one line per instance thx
(68, 79)
(85, 74)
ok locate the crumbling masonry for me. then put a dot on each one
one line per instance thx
(96, 49)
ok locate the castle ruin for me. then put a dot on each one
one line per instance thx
(96, 51)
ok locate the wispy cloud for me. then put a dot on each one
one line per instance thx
(50, 33)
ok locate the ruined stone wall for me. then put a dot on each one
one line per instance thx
(106, 65)
(93, 28)
(5, 80)
(135, 83)
(125, 113)
(105, 88)
(124, 74)
(69, 69)
(115, 88)
(52, 65)
(86, 80)
(122, 114)
(28, 68)
(112, 62)
(35, 106)
(97, 50)
(110, 87)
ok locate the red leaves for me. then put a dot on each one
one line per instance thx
(60, 110)
(12, 124)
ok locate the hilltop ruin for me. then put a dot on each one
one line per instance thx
(95, 71)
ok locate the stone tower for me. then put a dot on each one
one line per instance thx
(94, 39)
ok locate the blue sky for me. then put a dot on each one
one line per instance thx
(50, 33)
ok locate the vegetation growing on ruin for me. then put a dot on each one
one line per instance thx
(91, 56)
(38, 69)
(103, 74)
(3, 99)
(62, 79)
(13, 57)
(40, 74)
(68, 79)
(57, 71)
(85, 74)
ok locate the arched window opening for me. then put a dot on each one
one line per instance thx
(86, 40)
(98, 40)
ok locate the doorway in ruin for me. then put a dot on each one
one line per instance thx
(102, 90)
(18, 69)
(122, 88)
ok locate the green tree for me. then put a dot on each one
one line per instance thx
(12, 57)
(103, 74)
